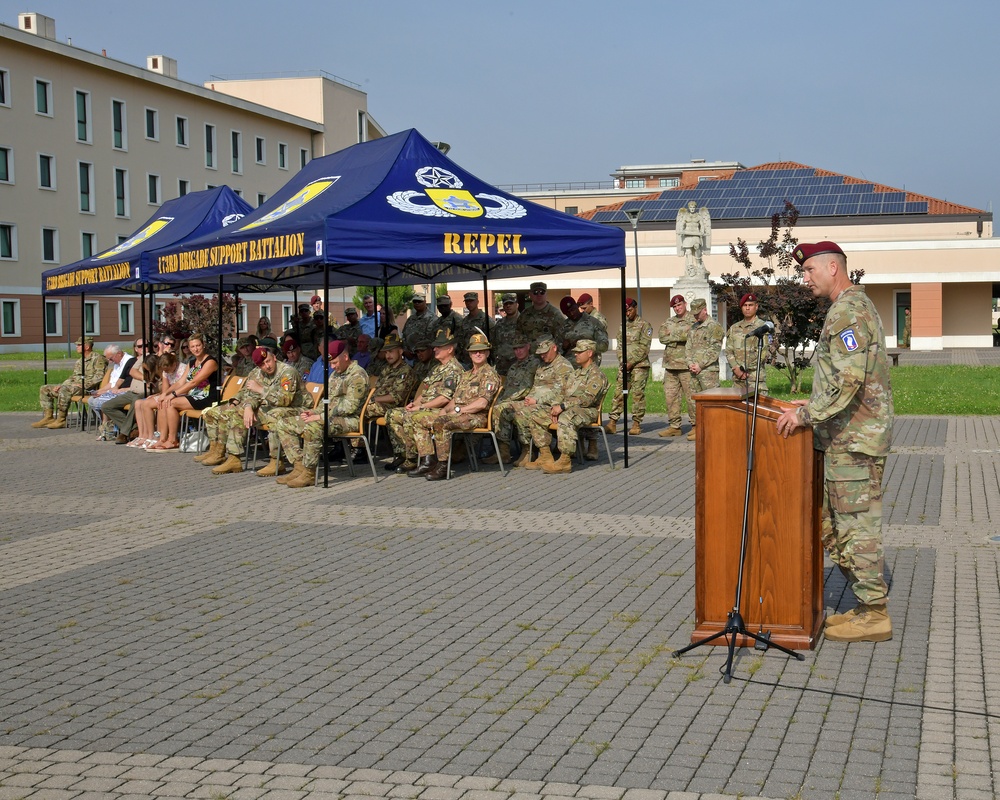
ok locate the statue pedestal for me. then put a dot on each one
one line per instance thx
(692, 289)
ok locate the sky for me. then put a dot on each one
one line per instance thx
(549, 90)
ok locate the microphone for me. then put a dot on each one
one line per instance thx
(767, 327)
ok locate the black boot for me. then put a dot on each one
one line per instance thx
(424, 465)
(440, 471)
(396, 462)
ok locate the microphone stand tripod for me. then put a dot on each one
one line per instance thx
(735, 625)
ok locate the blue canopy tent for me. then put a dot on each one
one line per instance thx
(125, 267)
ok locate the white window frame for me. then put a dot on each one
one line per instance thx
(57, 304)
(236, 151)
(123, 147)
(16, 305)
(183, 187)
(4, 87)
(83, 244)
(48, 97)
(126, 205)
(10, 164)
(265, 311)
(88, 122)
(158, 309)
(156, 124)
(94, 307)
(286, 316)
(283, 155)
(53, 184)
(211, 138)
(179, 123)
(261, 199)
(79, 187)
(154, 192)
(13, 241)
(241, 317)
(260, 150)
(55, 245)
(128, 306)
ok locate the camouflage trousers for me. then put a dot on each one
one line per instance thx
(56, 397)
(748, 384)
(637, 379)
(704, 380)
(677, 386)
(443, 426)
(568, 423)
(503, 420)
(273, 418)
(852, 521)
(290, 427)
(376, 410)
(224, 424)
(409, 430)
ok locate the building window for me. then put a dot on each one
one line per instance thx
(241, 318)
(572, 210)
(158, 309)
(182, 132)
(261, 199)
(282, 155)
(210, 146)
(50, 245)
(43, 97)
(261, 150)
(126, 318)
(635, 183)
(86, 178)
(53, 317)
(286, 317)
(88, 244)
(91, 318)
(46, 171)
(210, 186)
(119, 128)
(8, 241)
(121, 193)
(265, 310)
(4, 88)
(236, 139)
(669, 183)
(11, 317)
(153, 124)
(183, 187)
(6, 165)
(83, 131)
(153, 189)
(303, 157)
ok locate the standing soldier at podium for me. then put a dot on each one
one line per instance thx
(851, 414)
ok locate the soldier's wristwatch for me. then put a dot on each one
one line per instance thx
(458, 410)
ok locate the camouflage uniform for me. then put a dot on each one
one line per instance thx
(417, 327)
(586, 327)
(501, 338)
(704, 344)
(306, 333)
(638, 338)
(406, 432)
(466, 327)
(851, 412)
(599, 318)
(349, 333)
(741, 351)
(553, 383)
(346, 392)
(579, 409)
(285, 389)
(536, 324)
(421, 369)
(473, 384)
(87, 375)
(241, 367)
(302, 366)
(397, 381)
(676, 376)
(449, 322)
(516, 386)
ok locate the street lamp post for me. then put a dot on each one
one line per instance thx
(633, 215)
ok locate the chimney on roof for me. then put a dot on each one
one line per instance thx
(38, 24)
(697, 161)
(164, 65)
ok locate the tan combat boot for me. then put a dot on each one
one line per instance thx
(58, 422)
(591, 453)
(274, 467)
(610, 426)
(564, 464)
(837, 619)
(671, 431)
(869, 624)
(636, 428)
(525, 458)
(504, 454)
(213, 448)
(231, 465)
(692, 435)
(296, 469)
(216, 455)
(44, 421)
(544, 457)
(306, 477)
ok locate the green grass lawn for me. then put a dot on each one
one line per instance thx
(19, 387)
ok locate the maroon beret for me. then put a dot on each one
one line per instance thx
(630, 302)
(583, 299)
(315, 299)
(748, 298)
(566, 304)
(335, 348)
(804, 252)
(259, 354)
(677, 298)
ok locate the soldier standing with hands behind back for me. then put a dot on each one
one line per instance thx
(673, 335)
(704, 344)
(851, 414)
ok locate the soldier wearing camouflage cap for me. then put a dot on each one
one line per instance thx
(503, 334)
(673, 335)
(421, 324)
(553, 381)
(851, 414)
(541, 318)
(516, 385)
(55, 398)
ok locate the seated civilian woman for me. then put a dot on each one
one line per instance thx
(170, 370)
(195, 390)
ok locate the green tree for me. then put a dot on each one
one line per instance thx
(198, 313)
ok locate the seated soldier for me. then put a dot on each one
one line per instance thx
(293, 355)
(433, 394)
(424, 362)
(517, 384)
(271, 385)
(88, 373)
(242, 361)
(468, 406)
(578, 409)
(392, 389)
(346, 390)
(552, 383)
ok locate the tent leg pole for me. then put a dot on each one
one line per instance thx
(624, 374)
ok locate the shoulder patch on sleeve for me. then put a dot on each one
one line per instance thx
(849, 339)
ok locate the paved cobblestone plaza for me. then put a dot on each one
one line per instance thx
(168, 633)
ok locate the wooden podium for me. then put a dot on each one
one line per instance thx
(783, 578)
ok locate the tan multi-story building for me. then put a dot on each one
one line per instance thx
(91, 146)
